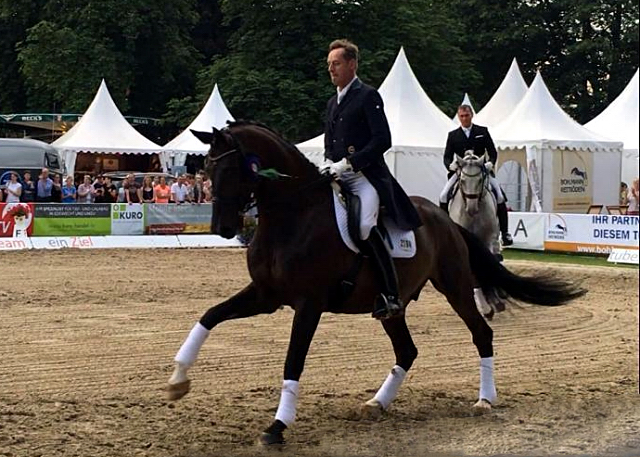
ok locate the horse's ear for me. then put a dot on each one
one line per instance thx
(205, 137)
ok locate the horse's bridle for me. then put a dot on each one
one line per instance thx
(478, 196)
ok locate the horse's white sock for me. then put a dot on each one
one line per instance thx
(288, 398)
(389, 389)
(487, 386)
(188, 352)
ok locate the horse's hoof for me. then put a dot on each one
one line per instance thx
(489, 316)
(178, 390)
(372, 410)
(271, 439)
(482, 406)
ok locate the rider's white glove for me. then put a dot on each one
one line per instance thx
(453, 166)
(340, 167)
(488, 166)
(326, 166)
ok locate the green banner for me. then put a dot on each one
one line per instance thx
(72, 219)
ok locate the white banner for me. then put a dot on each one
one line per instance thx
(207, 241)
(61, 242)
(150, 241)
(528, 230)
(15, 244)
(127, 219)
(590, 233)
(630, 256)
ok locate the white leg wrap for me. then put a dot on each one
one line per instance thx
(481, 302)
(288, 399)
(487, 386)
(389, 389)
(188, 352)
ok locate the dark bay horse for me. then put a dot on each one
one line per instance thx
(297, 258)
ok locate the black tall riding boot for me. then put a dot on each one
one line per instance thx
(388, 303)
(503, 220)
(444, 207)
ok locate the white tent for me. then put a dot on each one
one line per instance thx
(465, 101)
(568, 167)
(103, 130)
(418, 133)
(504, 100)
(619, 121)
(213, 114)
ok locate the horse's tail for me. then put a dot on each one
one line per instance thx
(498, 282)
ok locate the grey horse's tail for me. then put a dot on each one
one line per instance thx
(497, 282)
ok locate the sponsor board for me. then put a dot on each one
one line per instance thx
(173, 219)
(590, 233)
(528, 230)
(207, 241)
(72, 219)
(630, 256)
(572, 180)
(16, 219)
(127, 219)
(15, 244)
(68, 242)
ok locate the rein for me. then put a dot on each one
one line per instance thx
(482, 187)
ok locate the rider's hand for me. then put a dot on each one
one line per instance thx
(488, 166)
(325, 168)
(340, 167)
(453, 166)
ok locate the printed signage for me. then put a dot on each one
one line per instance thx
(173, 219)
(127, 219)
(72, 219)
(572, 181)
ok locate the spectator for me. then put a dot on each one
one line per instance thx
(132, 190)
(180, 191)
(162, 192)
(110, 191)
(14, 189)
(148, 193)
(28, 188)
(98, 186)
(623, 193)
(69, 192)
(206, 189)
(86, 192)
(56, 190)
(190, 184)
(198, 190)
(44, 187)
(632, 198)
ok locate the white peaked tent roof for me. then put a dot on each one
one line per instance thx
(510, 92)
(416, 122)
(465, 101)
(539, 121)
(620, 119)
(103, 129)
(214, 114)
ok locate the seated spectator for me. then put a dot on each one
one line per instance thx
(198, 190)
(180, 191)
(13, 189)
(110, 191)
(624, 190)
(147, 190)
(44, 187)
(86, 192)
(56, 190)
(206, 188)
(162, 192)
(28, 188)
(69, 191)
(632, 197)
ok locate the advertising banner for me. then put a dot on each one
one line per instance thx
(72, 219)
(16, 220)
(173, 219)
(68, 242)
(127, 219)
(590, 233)
(572, 181)
(15, 244)
(528, 230)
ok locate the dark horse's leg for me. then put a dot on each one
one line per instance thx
(406, 352)
(304, 326)
(456, 283)
(248, 302)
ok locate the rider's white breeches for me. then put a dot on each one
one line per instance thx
(369, 200)
(493, 182)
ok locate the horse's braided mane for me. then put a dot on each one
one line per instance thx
(286, 143)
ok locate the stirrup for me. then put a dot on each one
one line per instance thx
(387, 307)
(507, 240)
